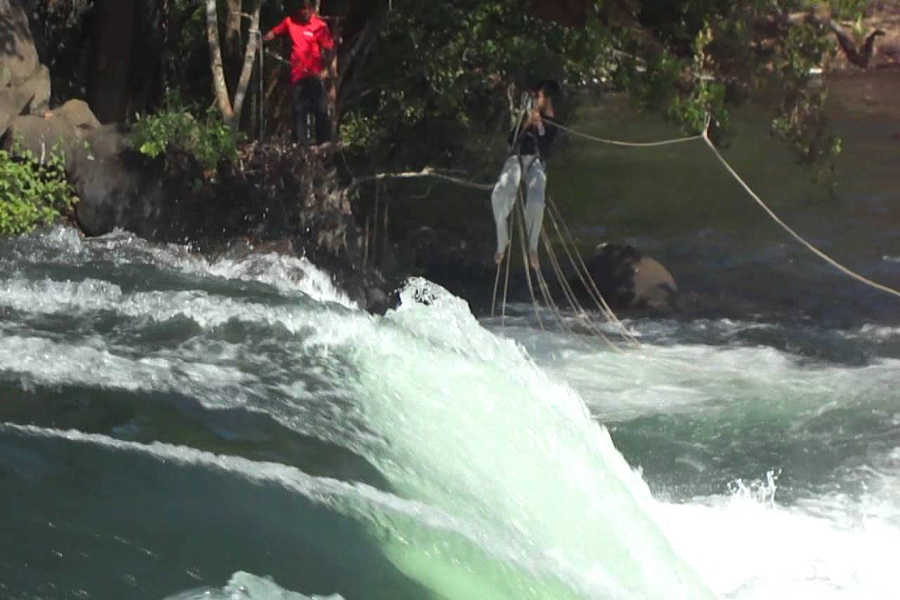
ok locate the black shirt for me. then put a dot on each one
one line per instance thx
(531, 141)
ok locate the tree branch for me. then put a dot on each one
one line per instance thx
(215, 62)
(247, 69)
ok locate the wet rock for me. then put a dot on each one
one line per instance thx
(377, 300)
(627, 279)
(115, 188)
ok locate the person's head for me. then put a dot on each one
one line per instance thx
(306, 9)
(546, 92)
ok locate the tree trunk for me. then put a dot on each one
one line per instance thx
(110, 68)
(220, 87)
(247, 69)
(231, 46)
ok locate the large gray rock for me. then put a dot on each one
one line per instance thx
(42, 136)
(31, 96)
(79, 114)
(114, 188)
(11, 105)
(627, 279)
(64, 130)
(24, 82)
(37, 89)
(17, 51)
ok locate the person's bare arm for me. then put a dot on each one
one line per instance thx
(279, 29)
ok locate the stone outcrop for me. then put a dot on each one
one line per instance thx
(26, 122)
(627, 279)
(24, 82)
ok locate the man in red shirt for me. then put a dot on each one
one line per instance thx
(311, 50)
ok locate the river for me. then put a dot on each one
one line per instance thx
(174, 427)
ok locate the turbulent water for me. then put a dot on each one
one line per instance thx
(174, 428)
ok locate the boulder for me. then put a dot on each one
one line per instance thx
(18, 55)
(627, 279)
(654, 286)
(11, 105)
(41, 136)
(114, 187)
(24, 82)
(64, 130)
(37, 89)
(79, 114)
(23, 98)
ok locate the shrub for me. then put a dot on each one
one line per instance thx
(32, 193)
(209, 141)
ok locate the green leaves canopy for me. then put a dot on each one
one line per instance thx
(447, 71)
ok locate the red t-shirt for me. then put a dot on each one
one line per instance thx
(307, 42)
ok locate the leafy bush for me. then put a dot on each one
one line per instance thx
(31, 192)
(209, 140)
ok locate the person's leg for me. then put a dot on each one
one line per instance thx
(536, 185)
(306, 108)
(323, 123)
(503, 199)
(298, 113)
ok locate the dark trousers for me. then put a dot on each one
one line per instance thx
(310, 111)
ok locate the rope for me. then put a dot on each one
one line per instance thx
(548, 298)
(508, 258)
(557, 270)
(496, 284)
(583, 274)
(627, 144)
(705, 137)
(793, 233)
(570, 293)
(520, 212)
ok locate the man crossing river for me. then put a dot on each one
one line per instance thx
(530, 144)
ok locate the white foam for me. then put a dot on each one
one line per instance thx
(684, 378)
(288, 274)
(472, 426)
(878, 332)
(91, 363)
(245, 586)
(51, 297)
(748, 547)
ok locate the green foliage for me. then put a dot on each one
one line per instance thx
(358, 130)
(705, 97)
(32, 193)
(208, 140)
(443, 71)
(710, 54)
(848, 9)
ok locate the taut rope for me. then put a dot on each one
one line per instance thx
(705, 137)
